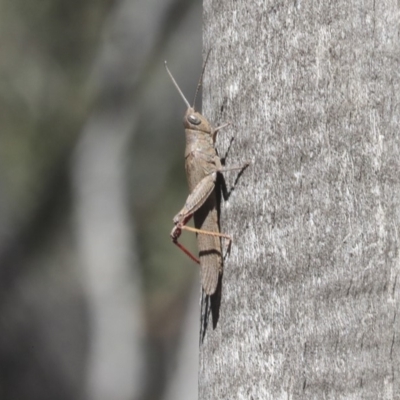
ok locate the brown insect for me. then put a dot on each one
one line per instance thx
(202, 165)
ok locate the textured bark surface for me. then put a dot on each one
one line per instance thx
(309, 293)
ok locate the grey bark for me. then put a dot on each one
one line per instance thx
(309, 295)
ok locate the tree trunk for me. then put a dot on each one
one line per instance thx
(309, 296)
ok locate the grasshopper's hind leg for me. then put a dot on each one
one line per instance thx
(194, 201)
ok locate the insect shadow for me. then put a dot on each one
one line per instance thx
(210, 305)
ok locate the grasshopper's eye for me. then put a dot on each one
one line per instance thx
(193, 119)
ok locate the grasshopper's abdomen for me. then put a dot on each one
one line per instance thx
(206, 218)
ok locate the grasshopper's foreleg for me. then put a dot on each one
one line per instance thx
(235, 168)
(224, 189)
(194, 201)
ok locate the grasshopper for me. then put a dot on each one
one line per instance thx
(202, 165)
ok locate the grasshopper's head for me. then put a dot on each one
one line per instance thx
(195, 121)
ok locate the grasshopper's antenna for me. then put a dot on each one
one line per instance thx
(176, 85)
(200, 84)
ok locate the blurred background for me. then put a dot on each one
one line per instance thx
(95, 301)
